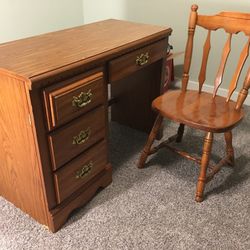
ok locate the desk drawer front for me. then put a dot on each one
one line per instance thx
(79, 171)
(73, 139)
(133, 61)
(72, 98)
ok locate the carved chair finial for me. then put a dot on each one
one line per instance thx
(194, 7)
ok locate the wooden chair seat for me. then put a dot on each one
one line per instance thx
(199, 110)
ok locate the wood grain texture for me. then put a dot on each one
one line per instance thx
(200, 111)
(126, 65)
(216, 168)
(34, 56)
(146, 150)
(65, 178)
(49, 70)
(20, 177)
(243, 57)
(231, 22)
(59, 97)
(235, 15)
(204, 164)
(62, 147)
(189, 46)
(206, 50)
(225, 54)
(244, 91)
(60, 214)
(229, 146)
(41, 132)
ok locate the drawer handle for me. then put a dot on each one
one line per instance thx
(142, 59)
(82, 100)
(82, 137)
(85, 170)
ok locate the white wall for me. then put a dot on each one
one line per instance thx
(174, 14)
(23, 18)
(95, 10)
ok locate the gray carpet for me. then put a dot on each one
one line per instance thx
(153, 208)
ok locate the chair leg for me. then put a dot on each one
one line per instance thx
(151, 138)
(180, 133)
(204, 164)
(229, 146)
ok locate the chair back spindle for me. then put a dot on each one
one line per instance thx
(189, 46)
(232, 23)
(206, 50)
(244, 92)
(242, 60)
(224, 57)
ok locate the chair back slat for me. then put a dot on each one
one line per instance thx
(225, 54)
(244, 91)
(189, 46)
(242, 60)
(206, 50)
(231, 22)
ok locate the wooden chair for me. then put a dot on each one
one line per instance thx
(201, 110)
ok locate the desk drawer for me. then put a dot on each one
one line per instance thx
(79, 171)
(133, 61)
(73, 139)
(73, 97)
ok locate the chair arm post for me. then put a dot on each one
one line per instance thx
(244, 92)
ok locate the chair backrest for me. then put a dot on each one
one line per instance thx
(232, 23)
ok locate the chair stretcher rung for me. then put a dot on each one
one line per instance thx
(184, 154)
(180, 152)
(163, 144)
(216, 168)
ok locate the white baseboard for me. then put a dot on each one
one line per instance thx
(208, 88)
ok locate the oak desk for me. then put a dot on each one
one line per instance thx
(53, 110)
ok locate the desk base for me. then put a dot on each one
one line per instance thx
(60, 215)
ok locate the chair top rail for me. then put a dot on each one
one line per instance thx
(231, 22)
(236, 15)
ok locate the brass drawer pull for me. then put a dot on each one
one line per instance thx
(82, 100)
(85, 170)
(82, 137)
(142, 59)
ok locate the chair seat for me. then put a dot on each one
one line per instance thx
(200, 111)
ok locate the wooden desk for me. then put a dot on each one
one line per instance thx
(53, 110)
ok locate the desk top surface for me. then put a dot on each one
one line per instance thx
(37, 55)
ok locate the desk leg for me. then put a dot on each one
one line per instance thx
(135, 94)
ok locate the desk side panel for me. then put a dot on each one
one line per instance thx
(20, 179)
